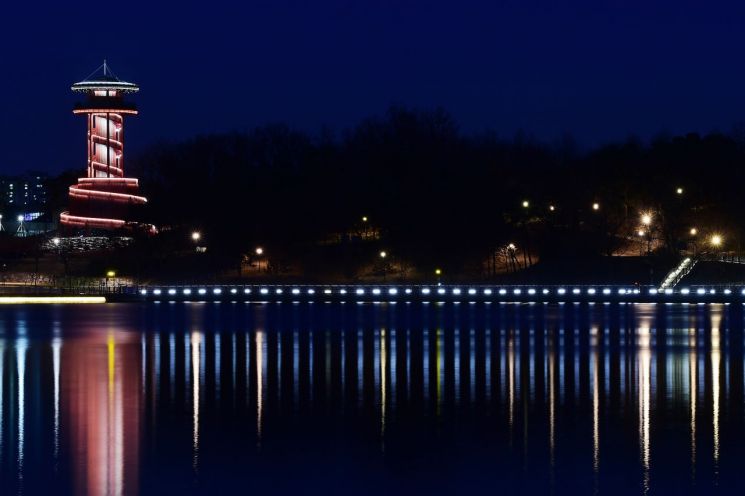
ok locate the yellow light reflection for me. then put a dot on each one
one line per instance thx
(24, 300)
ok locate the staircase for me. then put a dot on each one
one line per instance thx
(679, 272)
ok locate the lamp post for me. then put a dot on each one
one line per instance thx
(693, 232)
(647, 222)
(716, 241)
(383, 254)
(259, 252)
(21, 232)
(438, 273)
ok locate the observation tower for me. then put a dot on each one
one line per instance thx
(105, 198)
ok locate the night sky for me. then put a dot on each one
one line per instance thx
(599, 70)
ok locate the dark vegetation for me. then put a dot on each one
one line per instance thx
(434, 197)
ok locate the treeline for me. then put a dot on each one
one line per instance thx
(439, 197)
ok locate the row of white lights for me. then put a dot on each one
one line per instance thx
(442, 291)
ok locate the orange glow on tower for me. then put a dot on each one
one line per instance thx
(105, 199)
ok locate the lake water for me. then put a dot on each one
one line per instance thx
(371, 399)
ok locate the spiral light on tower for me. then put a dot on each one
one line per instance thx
(105, 198)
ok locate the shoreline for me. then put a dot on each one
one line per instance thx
(389, 293)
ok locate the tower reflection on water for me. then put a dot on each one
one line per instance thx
(86, 405)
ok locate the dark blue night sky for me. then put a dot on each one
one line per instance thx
(600, 70)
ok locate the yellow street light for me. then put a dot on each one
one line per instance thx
(110, 273)
(438, 272)
(646, 219)
(383, 254)
(526, 203)
(716, 240)
(640, 232)
(196, 236)
(596, 206)
(679, 191)
(511, 246)
(693, 231)
(551, 208)
(364, 218)
(259, 250)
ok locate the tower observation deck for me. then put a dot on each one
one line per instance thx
(105, 198)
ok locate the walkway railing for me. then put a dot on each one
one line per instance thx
(678, 273)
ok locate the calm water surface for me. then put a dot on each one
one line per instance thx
(371, 399)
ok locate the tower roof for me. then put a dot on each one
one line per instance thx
(104, 79)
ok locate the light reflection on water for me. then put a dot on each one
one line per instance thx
(125, 399)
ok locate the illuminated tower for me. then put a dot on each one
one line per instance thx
(105, 198)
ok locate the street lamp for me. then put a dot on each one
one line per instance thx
(55, 241)
(596, 206)
(21, 232)
(716, 240)
(551, 208)
(693, 231)
(259, 250)
(438, 273)
(364, 218)
(526, 203)
(679, 191)
(196, 236)
(646, 219)
(383, 254)
(641, 234)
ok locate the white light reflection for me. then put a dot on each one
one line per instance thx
(693, 381)
(2, 413)
(260, 370)
(595, 405)
(644, 374)
(551, 404)
(383, 383)
(715, 385)
(172, 363)
(56, 346)
(21, 346)
(196, 344)
(511, 379)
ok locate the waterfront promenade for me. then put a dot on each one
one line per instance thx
(484, 293)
